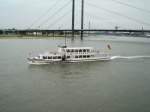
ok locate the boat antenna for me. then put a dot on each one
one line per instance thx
(65, 40)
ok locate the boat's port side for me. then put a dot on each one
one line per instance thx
(70, 54)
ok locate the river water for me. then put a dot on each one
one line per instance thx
(119, 85)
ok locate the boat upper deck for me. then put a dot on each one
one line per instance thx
(76, 49)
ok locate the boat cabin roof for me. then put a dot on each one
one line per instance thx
(75, 48)
(50, 54)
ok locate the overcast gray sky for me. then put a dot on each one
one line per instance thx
(22, 14)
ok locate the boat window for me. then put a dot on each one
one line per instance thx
(59, 57)
(84, 56)
(88, 50)
(49, 57)
(80, 56)
(80, 50)
(44, 57)
(68, 56)
(76, 50)
(68, 50)
(54, 57)
(76, 56)
(88, 56)
(84, 50)
(72, 50)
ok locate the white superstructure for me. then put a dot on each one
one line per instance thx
(69, 54)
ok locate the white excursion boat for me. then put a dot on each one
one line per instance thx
(70, 55)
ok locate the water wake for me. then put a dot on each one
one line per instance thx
(129, 57)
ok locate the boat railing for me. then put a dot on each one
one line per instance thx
(80, 53)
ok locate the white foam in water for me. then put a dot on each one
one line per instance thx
(129, 57)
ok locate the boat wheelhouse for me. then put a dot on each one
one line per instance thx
(69, 54)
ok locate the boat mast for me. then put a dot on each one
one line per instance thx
(82, 19)
(73, 13)
(65, 40)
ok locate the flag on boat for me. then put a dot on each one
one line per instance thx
(109, 46)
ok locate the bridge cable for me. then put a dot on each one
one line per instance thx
(56, 13)
(97, 18)
(44, 14)
(58, 19)
(119, 14)
(132, 6)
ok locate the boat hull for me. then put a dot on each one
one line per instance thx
(33, 61)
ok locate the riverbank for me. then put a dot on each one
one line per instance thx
(32, 36)
(14, 36)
